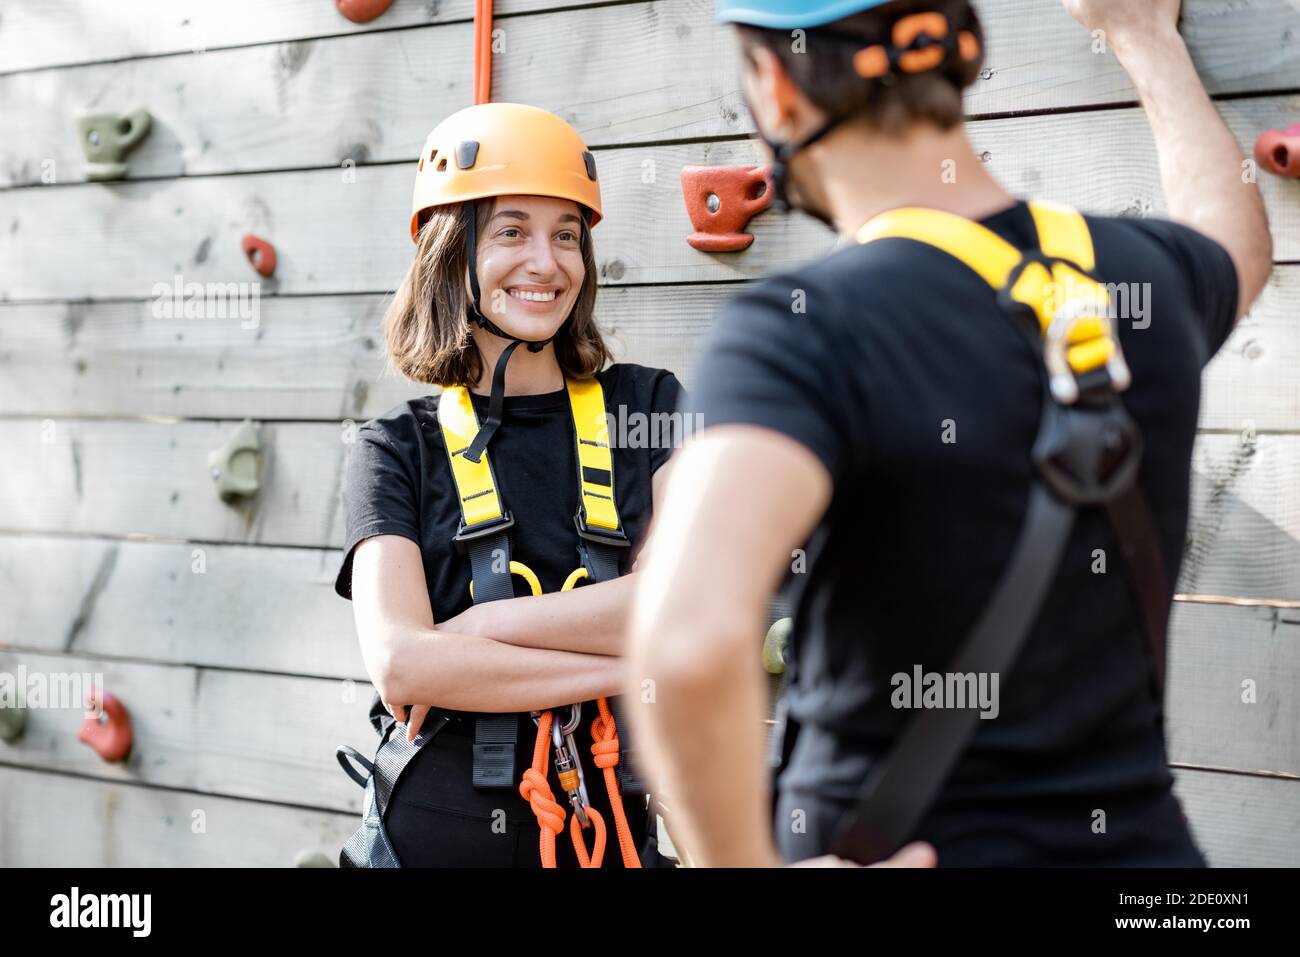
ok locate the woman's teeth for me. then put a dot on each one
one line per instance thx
(533, 296)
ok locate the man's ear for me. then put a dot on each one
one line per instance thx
(783, 108)
(763, 73)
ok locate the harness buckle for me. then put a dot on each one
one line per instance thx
(469, 533)
(1063, 380)
(615, 537)
(1068, 302)
(1088, 454)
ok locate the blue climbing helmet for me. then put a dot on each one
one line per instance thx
(788, 14)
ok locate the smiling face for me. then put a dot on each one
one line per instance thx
(530, 264)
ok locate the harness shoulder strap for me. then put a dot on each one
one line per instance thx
(483, 535)
(983, 250)
(601, 540)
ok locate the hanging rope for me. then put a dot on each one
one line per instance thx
(482, 51)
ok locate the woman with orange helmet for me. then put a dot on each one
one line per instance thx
(473, 515)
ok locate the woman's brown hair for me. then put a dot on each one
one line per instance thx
(427, 325)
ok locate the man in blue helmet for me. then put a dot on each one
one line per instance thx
(977, 487)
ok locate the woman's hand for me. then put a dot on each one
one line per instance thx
(417, 713)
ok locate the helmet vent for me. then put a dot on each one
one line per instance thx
(590, 162)
(442, 164)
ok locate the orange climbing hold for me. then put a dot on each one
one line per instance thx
(362, 11)
(721, 200)
(109, 730)
(260, 253)
(1278, 151)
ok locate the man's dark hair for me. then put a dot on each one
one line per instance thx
(823, 69)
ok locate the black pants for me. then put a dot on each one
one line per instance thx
(436, 818)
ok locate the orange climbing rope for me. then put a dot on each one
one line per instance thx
(536, 790)
(482, 51)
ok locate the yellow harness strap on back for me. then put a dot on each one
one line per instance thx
(1072, 307)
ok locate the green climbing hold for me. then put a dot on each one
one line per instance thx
(313, 859)
(13, 718)
(235, 466)
(774, 645)
(107, 138)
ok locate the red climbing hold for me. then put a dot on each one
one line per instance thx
(108, 733)
(721, 200)
(362, 11)
(1278, 151)
(260, 253)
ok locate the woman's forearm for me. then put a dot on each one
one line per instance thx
(467, 672)
(590, 619)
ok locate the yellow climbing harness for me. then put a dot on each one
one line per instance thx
(483, 534)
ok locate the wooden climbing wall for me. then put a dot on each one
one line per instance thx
(218, 624)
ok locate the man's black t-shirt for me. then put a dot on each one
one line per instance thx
(894, 365)
(398, 482)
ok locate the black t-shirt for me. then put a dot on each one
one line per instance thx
(871, 358)
(398, 482)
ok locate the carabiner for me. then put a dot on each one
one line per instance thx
(568, 765)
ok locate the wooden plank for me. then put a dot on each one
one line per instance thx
(322, 357)
(1254, 381)
(232, 733)
(372, 95)
(84, 599)
(150, 478)
(34, 34)
(309, 357)
(1040, 58)
(104, 824)
(123, 250)
(1218, 656)
(1240, 820)
(1244, 535)
(236, 607)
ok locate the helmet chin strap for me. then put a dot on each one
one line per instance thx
(783, 154)
(496, 403)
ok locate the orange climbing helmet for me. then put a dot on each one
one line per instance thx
(501, 149)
